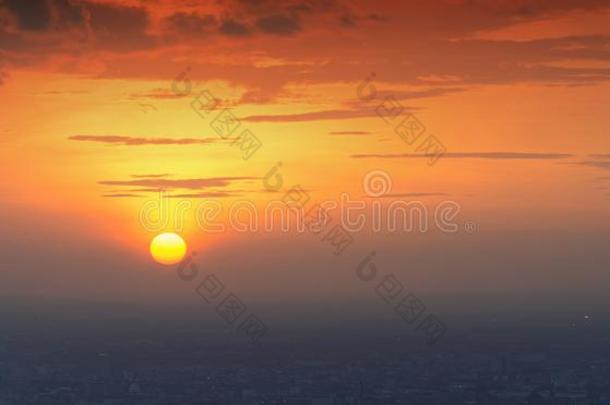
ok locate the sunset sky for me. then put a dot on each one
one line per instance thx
(96, 116)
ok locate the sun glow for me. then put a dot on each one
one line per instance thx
(168, 248)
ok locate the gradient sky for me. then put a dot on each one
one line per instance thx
(91, 127)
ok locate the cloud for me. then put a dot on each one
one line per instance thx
(121, 195)
(191, 23)
(236, 19)
(32, 15)
(59, 92)
(116, 20)
(349, 133)
(348, 20)
(207, 194)
(66, 27)
(313, 116)
(413, 94)
(191, 184)
(598, 164)
(377, 17)
(233, 28)
(119, 27)
(137, 190)
(137, 141)
(476, 155)
(279, 24)
(157, 94)
(442, 37)
(393, 97)
(283, 18)
(600, 156)
(69, 13)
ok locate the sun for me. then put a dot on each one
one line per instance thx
(168, 248)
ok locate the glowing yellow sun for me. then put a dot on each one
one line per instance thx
(168, 248)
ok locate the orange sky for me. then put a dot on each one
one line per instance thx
(517, 92)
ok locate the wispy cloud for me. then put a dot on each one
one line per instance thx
(165, 184)
(598, 164)
(475, 155)
(206, 194)
(121, 195)
(135, 190)
(58, 92)
(313, 116)
(401, 96)
(157, 94)
(137, 141)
